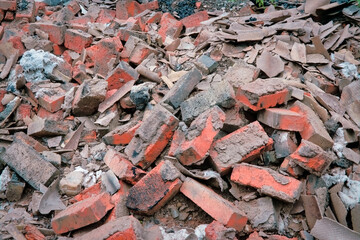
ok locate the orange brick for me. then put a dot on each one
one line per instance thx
(32, 233)
(119, 201)
(56, 32)
(267, 181)
(82, 213)
(21, 136)
(122, 135)
(169, 27)
(243, 145)
(122, 167)
(217, 231)
(121, 75)
(28, 13)
(77, 40)
(213, 204)
(282, 119)
(43, 113)
(92, 191)
(23, 111)
(155, 189)
(254, 236)
(195, 19)
(106, 16)
(191, 145)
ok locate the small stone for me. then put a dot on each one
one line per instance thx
(71, 184)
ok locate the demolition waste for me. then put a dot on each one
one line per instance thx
(172, 120)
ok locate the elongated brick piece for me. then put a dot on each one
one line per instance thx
(282, 119)
(213, 204)
(122, 135)
(267, 181)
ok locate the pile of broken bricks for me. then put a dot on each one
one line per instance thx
(119, 122)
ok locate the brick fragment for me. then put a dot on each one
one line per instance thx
(82, 213)
(71, 183)
(46, 127)
(43, 113)
(123, 134)
(28, 13)
(155, 189)
(267, 181)
(52, 100)
(191, 145)
(314, 130)
(77, 40)
(92, 191)
(29, 165)
(243, 145)
(206, 64)
(234, 119)
(170, 27)
(213, 204)
(126, 227)
(282, 119)
(56, 32)
(120, 75)
(8, 5)
(32, 233)
(263, 93)
(241, 74)
(254, 236)
(285, 143)
(122, 167)
(23, 112)
(14, 188)
(217, 231)
(195, 19)
(136, 50)
(151, 137)
(119, 201)
(312, 158)
(26, 139)
(127, 8)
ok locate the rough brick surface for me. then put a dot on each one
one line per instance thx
(170, 27)
(213, 204)
(285, 143)
(312, 158)
(152, 137)
(243, 145)
(56, 32)
(77, 40)
(123, 134)
(267, 181)
(8, 5)
(47, 127)
(155, 189)
(82, 213)
(241, 74)
(217, 231)
(191, 145)
(21, 136)
(195, 19)
(282, 119)
(121, 75)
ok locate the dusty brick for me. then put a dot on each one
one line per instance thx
(154, 17)
(191, 145)
(29, 165)
(282, 119)
(92, 191)
(73, 6)
(206, 64)
(285, 143)
(170, 27)
(254, 236)
(182, 88)
(195, 19)
(263, 93)
(155, 189)
(71, 183)
(291, 168)
(2, 94)
(79, 72)
(22, 112)
(122, 167)
(241, 74)
(2, 14)
(9, 16)
(106, 16)
(152, 137)
(126, 227)
(56, 32)
(52, 101)
(217, 231)
(119, 201)
(220, 94)
(21, 136)
(8, 5)
(122, 74)
(243, 145)
(82, 213)
(267, 181)
(43, 113)
(312, 158)
(127, 8)
(46, 127)
(140, 53)
(123, 134)
(314, 130)
(213, 204)
(234, 119)
(32, 233)
(77, 40)
(28, 13)
(14, 188)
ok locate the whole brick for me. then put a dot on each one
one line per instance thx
(182, 88)
(312, 158)
(282, 119)
(213, 204)
(77, 40)
(267, 181)
(243, 145)
(152, 137)
(120, 75)
(56, 32)
(82, 213)
(191, 145)
(155, 189)
(29, 164)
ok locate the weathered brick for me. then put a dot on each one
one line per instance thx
(26, 139)
(241, 74)
(43, 113)
(155, 189)
(267, 181)
(8, 5)
(122, 167)
(243, 145)
(234, 119)
(254, 236)
(29, 165)
(152, 137)
(14, 188)
(56, 32)
(195, 19)
(206, 64)
(46, 127)
(263, 93)
(52, 100)
(314, 130)
(28, 13)
(312, 158)
(120, 75)
(191, 145)
(106, 16)
(282, 119)
(22, 112)
(92, 191)
(119, 201)
(31, 232)
(170, 27)
(217, 231)
(182, 88)
(127, 8)
(77, 40)
(213, 204)
(82, 213)
(123, 134)
(71, 183)
(291, 168)
(285, 143)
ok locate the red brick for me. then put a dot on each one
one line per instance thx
(243, 145)
(1, 27)
(195, 19)
(155, 17)
(58, 50)
(150, 5)
(140, 53)
(170, 27)
(79, 72)
(122, 167)
(121, 75)
(291, 168)
(77, 40)
(89, 192)
(52, 103)
(267, 181)
(127, 8)
(191, 145)
(73, 6)
(282, 119)
(160, 125)
(217, 231)
(32, 233)
(56, 32)
(21, 136)
(43, 113)
(82, 213)
(8, 5)
(106, 16)
(2, 94)
(23, 111)
(213, 204)
(28, 13)
(89, 136)
(254, 236)
(9, 16)
(119, 201)
(279, 237)
(155, 189)
(263, 93)
(122, 135)
(312, 158)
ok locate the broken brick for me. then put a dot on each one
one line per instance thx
(285, 143)
(32, 233)
(120, 75)
(122, 135)
(217, 231)
(206, 64)
(14, 188)
(267, 181)
(28, 13)
(282, 119)
(23, 112)
(71, 183)
(119, 201)
(243, 145)
(234, 119)
(43, 113)
(151, 137)
(77, 40)
(170, 27)
(155, 189)
(8, 5)
(21, 136)
(195, 19)
(191, 145)
(56, 32)
(46, 127)
(213, 204)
